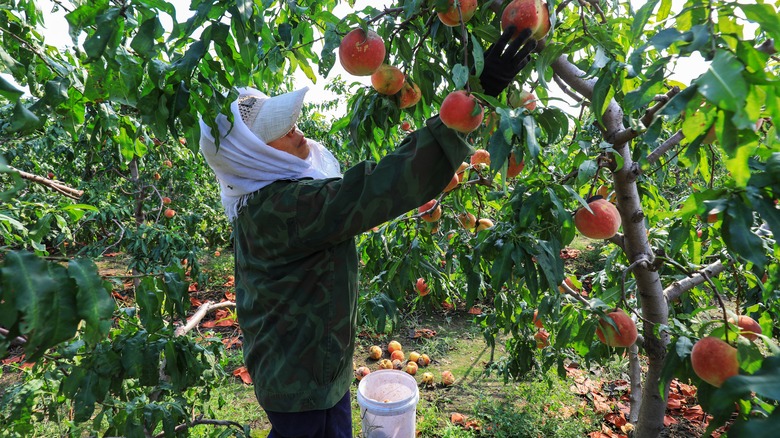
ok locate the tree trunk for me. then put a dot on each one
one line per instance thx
(638, 251)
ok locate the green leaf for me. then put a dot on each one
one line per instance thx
(641, 18)
(149, 298)
(529, 123)
(723, 83)
(23, 120)
(95, 305)
(601, 90)
(145, 41)
(478, 55)
(738, 236)
(8, 90)
(460, 75)
(106, 30)
(766, 16)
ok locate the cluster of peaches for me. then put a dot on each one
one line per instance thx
(362, 53)
(396, 360)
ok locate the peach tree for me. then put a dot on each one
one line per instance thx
(691, 166)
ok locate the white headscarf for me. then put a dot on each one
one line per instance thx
(244, 163)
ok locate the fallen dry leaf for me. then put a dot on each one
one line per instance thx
(243, 373)
(231, 281)
(193, 287)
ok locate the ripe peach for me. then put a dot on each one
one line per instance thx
(484, 224)
(433, 215)
(603, 223)
(166, 200)
(481, 156)
(626, 333)
(537, 322)
(393, 346)
(748, 327)
(167, 163)
(50, 175)
(362, 372)
(453, 183)
(385, 364)
(542, 338)
(169, 213)
(514, 167)
(422, 287)
(447, 378)
(217, 253)
(397, 355)
(375, 352)
(406, 126)
(522, 98)
(461, 111)
(387, 79)
(156, 176)
(451, 17)
(461, 172)
(427, 379)
(361, 53)
(413, 356)
(424, 360)
(569, 283)
(411, 368)
(714, 361)
(467, 220)
(409, 95)
(527, 14)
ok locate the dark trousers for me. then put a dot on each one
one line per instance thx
(335, 422)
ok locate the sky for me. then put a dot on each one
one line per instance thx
(56, 32)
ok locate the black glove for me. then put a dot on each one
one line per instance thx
(501, 66)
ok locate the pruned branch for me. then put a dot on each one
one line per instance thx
(19, 340)
(200, 421)
(199, 314)
(679, 287)
(54, 185)
(661, 100)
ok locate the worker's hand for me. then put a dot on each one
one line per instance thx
(501, 66)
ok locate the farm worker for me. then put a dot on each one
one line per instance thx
(294, 218)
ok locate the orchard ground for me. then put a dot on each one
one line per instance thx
(591, 401)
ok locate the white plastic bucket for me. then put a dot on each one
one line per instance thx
(388, 404)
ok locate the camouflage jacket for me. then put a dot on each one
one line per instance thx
(296, 265)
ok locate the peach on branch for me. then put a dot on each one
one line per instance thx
(406, 126)
(422, 287)
(388, 79)
(361, 53)
(522, 98)
(537, 322)
(484, 224)
(527, 14)
(626, 332)
(467, 220)
(461, 172)
(433, 214)
(603, 223)
(166, 200)
(514, 167)
(169, 213)
(542, 338)
(714, 360)
(409, 95)
(748, 327)
(451, 17)
(481, 156)
(461, 111)
(453, 183)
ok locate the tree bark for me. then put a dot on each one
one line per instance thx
(637, 249)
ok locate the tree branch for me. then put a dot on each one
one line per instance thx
(57, 187)
(199, 314)
(679, 287)
(673, 141)
(19, 340)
